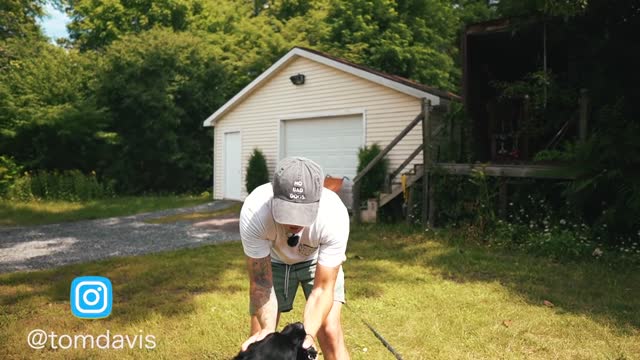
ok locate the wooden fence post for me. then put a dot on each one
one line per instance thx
(356, 202)
(584, 114)
(502, 197)
(426, 153)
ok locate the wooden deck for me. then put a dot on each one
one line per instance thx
(510, 170)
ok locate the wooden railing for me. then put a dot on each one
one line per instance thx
(389, 179)
(424, 114)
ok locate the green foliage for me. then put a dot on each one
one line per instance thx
(287, 9)
(398, 37)
(257, 173)
(71, 185)
(97, 24)
(565, 8)
(372, 183)
(536, 220)
(9, 174)
(568, 154)
(486, 215)
(248, 44)
(18, 18)
(473, 11)
(158, 87)
(549, 103)
(609, 191)
(48, 119)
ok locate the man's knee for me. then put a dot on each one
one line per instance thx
(331, 329)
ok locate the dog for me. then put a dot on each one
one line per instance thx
(284, 345)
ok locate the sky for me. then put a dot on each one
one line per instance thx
(54, 23)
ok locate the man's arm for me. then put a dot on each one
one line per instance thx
(321, 299)
(263, 305)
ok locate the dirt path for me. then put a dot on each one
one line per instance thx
(47, 246)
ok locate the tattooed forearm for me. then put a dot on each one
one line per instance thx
(262, 298)
(262, 273)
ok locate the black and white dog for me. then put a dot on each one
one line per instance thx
(284, 345)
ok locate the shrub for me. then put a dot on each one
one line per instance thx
(257, 173)
(71, 185)
(9, 174)
(373, 181)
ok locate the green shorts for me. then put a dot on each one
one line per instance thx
(287, 277)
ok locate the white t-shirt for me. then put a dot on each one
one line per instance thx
(325, 239)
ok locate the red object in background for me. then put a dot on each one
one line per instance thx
(333, 184)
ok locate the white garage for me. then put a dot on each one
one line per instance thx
(314, 105)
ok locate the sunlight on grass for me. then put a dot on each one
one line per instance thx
(429, 299)
(195, 216)
(50, 211)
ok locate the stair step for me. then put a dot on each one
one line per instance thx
(386, 197)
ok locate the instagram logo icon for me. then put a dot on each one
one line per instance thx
(91, 297)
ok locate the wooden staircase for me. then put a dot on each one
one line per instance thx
(393, 189)
(413, 175)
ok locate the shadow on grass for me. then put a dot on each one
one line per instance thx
(605, 294)
(163, 283)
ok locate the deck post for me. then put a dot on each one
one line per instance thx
(426, 153)
(356, 202)
(502, 198)
(409, 214)
(584, 114)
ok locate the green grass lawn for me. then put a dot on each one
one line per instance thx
(47, 212)
(428, 298)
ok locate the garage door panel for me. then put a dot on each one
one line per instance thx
(331, 142)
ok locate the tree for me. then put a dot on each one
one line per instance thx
(96, 24)
(250, 43)
(48, 119)
(158, 87)
(18, 18)
(410, 38)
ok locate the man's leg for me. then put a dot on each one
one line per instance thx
(331, 337)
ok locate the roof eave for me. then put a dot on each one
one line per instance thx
(296, 51)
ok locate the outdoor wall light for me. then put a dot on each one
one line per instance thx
(297, 79)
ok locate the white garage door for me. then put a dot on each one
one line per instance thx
(332, 142)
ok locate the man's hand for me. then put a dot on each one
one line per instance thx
(255, 338)
(309, 341)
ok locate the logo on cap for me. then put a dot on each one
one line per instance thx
(298, 191)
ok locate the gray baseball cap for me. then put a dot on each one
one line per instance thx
(297, 187)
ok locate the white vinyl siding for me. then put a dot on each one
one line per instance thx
(258, 116)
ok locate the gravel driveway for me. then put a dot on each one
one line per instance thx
(47, 246)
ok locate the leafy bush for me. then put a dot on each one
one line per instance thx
(608, 192)
(9, 173)
(373, 181)
(568, 154)
(71, 185)
(257, 173)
